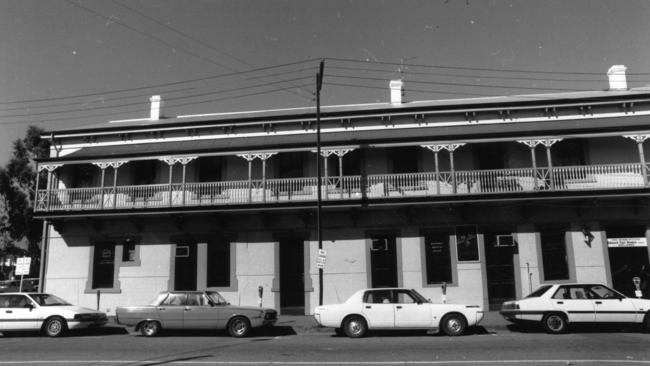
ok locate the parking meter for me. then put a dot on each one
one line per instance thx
(637, 285)
(260, 291)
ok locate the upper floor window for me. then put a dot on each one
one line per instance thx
(405, 159)
(210, 168)
(144, 171)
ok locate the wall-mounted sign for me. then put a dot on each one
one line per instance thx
(22, 266)
(320, 260)
(626, 242)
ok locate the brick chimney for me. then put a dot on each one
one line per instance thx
(616, 76)
(156, 107)
(396, 91)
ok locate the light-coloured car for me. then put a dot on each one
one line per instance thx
(557, 306)
(47, 313)
(396, 308)
(194, 310)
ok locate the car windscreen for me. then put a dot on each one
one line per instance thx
(419, 297)
(48, 300)
(539, 292)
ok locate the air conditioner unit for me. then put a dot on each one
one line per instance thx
(505, 241)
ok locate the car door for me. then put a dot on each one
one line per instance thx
(199, 313)
(573, 300)
(379, 309)
(170, 311)
(612, 307)
(409, 313)
(17, 314)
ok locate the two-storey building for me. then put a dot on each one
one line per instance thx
(484, 197)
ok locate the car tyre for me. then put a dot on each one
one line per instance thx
(55, 327)
(555, 323)
(355, 326)
(239, 327)
(454, 325)
(150, 328)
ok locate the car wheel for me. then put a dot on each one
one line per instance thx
(554, 323)
(150, 328)
(239, 327)
(55, 327)
(355, 327)
(454, 325)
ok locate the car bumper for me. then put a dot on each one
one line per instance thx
(519, 315)
(81, 324)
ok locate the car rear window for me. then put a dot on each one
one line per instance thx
(539, 292)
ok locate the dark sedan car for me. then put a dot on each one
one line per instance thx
(194, 310)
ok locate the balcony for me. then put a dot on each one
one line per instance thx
(371, 187)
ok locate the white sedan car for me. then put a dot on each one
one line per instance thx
(53, 316)
(557, 306)
(396, 308)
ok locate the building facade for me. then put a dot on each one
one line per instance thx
(470, 201)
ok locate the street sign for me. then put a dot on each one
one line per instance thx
(22, 266)
(320, 260)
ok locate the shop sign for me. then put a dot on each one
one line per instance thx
(22, 266)
(626, 242)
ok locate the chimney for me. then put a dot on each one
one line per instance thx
(616, 76)
(396, 91)
(156, 107)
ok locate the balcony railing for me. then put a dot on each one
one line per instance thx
(384, 186)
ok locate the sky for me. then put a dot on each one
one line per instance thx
(75, 63)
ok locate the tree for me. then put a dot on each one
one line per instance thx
(20, 234)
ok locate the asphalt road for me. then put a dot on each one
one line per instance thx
(113, 346)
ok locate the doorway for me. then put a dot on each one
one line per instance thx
(500, 249)
(292, 276)
(383, 262)
(185, 267)
(627, 263)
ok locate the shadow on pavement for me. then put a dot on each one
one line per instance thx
(256, 332)
(90, 332)
(579, 328)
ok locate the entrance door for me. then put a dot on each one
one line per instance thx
(383, 262)
(499, 251)
(627, 263)
(185, 267)
(292, 276)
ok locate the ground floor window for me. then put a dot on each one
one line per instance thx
(219, 264)
(438, 257)
(467, 243)
(104, 265)
(554, 254)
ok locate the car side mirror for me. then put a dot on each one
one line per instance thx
(29, 306)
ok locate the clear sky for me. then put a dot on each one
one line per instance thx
(67, 63)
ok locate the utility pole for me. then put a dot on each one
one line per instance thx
(319, 85)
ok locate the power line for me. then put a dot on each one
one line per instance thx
(474, 68)
(137, 103)
(187, 36)
(259, 69)
(458, 84)
(155, 38)
(146, 109)
(410, 90)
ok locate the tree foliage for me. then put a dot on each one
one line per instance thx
(19, 232)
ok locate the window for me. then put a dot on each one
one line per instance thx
(467, 243)
(378, 297)
(128, 251)
(572, 293)
(554, 254)
(539, 292)
(143, 172)
(405, 297)
(103, 266)
(174, 300)
(218, 264)
(290, 165)
(210, 168)
(405, 159)
(438, 257)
